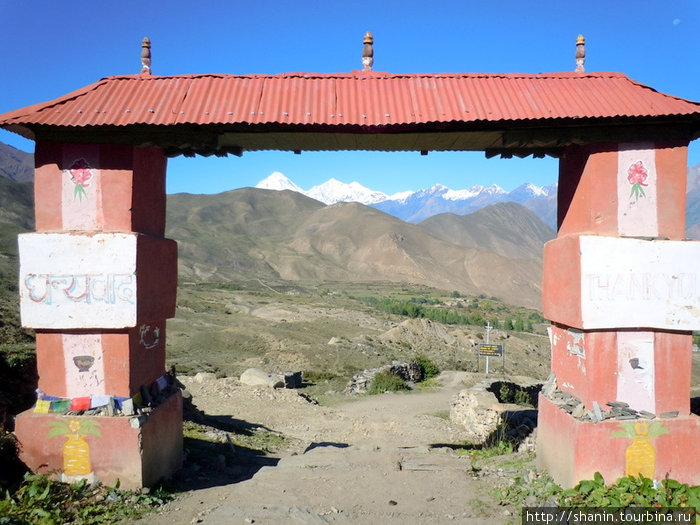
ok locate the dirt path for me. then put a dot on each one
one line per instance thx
(370, 461)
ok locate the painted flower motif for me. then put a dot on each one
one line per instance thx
(74, 427)
(640, 430)
(80, 175)
(637, 175)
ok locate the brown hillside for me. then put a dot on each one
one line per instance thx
(228, 236)
(251, 233)
(507, 228)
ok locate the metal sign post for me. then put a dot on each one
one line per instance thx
(488, 341)
(489, 350)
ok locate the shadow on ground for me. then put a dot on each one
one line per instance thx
(221, 450)
(325, 444)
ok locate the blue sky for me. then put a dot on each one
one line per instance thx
(52, 47)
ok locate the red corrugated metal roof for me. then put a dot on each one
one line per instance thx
(352, 99)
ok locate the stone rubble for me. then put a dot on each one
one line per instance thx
(485, 418)
(360, 382)
(618, 410)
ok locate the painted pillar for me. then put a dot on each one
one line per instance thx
(97, 281)
(622, 290)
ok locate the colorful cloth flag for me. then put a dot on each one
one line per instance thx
(80, 403)
(60, 405)
(118, 401)
(162, 382)
(42, 407)
(100, 401)
(138, 399)
(45, 397)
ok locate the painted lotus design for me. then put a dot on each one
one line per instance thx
(76, 451)
(640, 455)
(80, 175)
(637, 175)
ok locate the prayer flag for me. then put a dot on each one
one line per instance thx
(60, 405)
(42, 407)
(118, 401)
(80, 403)
(138, 400)
(99, 401)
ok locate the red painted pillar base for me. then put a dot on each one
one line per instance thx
(620, 286)
(572, 450)
(136, 450)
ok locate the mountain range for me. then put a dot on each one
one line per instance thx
(415, 206)
(253, 233)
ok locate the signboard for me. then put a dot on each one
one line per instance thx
(77, 281)
(634, 282)
(490, 350)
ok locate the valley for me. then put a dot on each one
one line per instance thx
(330, 328)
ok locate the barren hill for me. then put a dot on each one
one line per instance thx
(228, 236)
(16, 164)
(508, 229)
(253, 233)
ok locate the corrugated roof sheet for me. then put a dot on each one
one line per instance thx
(353, 99)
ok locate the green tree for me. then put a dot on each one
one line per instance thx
(518, 324)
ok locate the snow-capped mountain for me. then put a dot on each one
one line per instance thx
(333, 191)
(527, 191)
(278, 181)
(419, 205)
(415, 206)
(329, 192)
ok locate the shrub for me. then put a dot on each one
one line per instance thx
(386, 381)
(505, 393)
(628, 492)
(11, 468)
(631, 491)
(314, 376)
(41, 500)
(522, 397)
(428, 368)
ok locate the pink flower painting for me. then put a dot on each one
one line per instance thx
(637, 175)
(80, 175)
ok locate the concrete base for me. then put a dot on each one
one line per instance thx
(572, 450)
(138, 451)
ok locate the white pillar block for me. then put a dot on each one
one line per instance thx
(78, 280)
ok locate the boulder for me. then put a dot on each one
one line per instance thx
(479, 412)
(257, 377)
(204, 377)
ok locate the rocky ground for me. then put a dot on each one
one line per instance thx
(371, 459)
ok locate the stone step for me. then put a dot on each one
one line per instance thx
(433, 462)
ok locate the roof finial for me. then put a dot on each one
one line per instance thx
(580, 54)
(368, 52)
(146, 56)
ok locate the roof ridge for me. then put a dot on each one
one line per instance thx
(369, 75)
